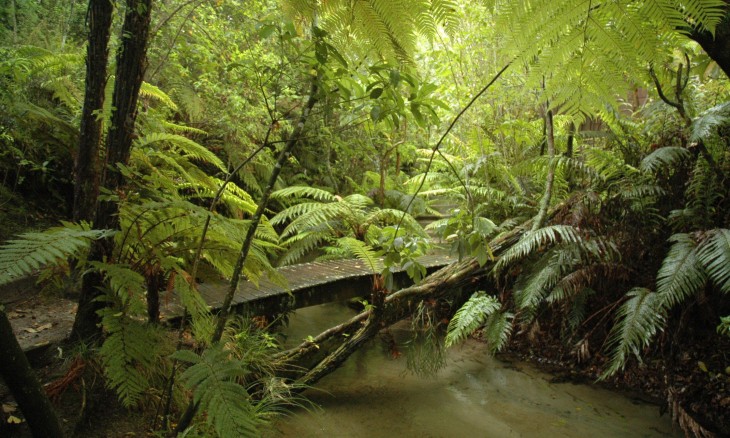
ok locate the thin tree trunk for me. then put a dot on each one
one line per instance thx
(545, 202)
(131, 64)
(571, 140)
(88, 173)
(284, 155)
(24, 385)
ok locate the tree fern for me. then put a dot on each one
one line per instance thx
(637, 321)
(390, 27)
(150, 91)
(125, 283)
(32, 251)
(595, 47)
(294, 192)
(472, 315)
(213, 378)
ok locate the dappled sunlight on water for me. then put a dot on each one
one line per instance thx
(373, 395)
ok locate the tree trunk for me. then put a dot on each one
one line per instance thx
(545, 201)
(131, 64)
(717, 46)
(20, 378)
(86, 190)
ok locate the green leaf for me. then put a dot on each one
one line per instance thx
(470, 317)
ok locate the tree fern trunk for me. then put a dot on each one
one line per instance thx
(28, 392)
(717, 46)
(87, 168)
(131, 64)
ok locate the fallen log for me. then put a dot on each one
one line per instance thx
(313, 359)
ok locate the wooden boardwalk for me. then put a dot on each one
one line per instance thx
(308, 284)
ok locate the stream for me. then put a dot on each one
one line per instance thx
(475, 395)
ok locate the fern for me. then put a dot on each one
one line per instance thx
(534, 240)
(125, 283)
(637, 321)
(304, 192)
(665, 158)
(497, 330)
(472, 315)
(128, 352)
(32, 251)
(681, 274)
(362, 251)
(187, 147)
(150, 91)
(714, 255)
(704, 125)
(213, 377)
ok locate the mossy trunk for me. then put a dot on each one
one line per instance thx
(25, 387)
(131, 65)
(87, 168)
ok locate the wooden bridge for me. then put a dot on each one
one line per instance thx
(308, 284)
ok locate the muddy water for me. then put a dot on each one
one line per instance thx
(373, 396)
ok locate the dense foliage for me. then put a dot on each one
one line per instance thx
(267, 132)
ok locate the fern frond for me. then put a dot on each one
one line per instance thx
(183, 145)
(681, 274)
(175, 127)
(715, 117)
(534, 240)
(362, 251)
(129, 349)
(213, 378)
(32, 251)
(127, 284)
(471, 316)
(497, 330)
(714, 255)
(304, 192)
(665, 158)
(150, 91)
(637, 321)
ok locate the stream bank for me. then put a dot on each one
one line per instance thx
(373, 395)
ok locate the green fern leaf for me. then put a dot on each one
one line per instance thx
(362, 251)
(637, 321)
(213, 379)
(129, 349)
(665, 158)
(31, 251)
(185, 146)
(714, 255)
(681, 274)
(535, 240)
(497, 330)
(473, 314)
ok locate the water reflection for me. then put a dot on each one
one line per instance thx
(373, 395)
